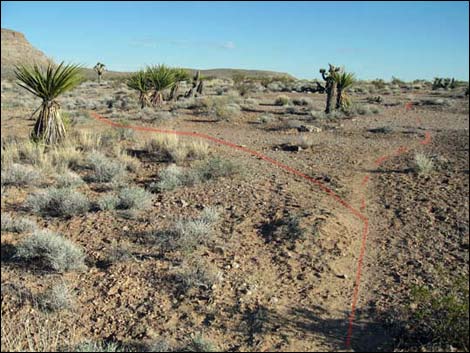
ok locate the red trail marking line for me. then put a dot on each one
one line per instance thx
(365, 180)
(291, 170)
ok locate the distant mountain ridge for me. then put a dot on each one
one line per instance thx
(17, 50)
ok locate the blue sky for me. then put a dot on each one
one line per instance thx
(408, 40)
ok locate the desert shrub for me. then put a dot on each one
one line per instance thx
(441, 316)
(55, 298)
(170, 178)
(199, 344)
(227, 112)
(160, 345)
(292, 123)
(382, 130)
(16, 225)
(318, 115)
(302, 101)
(303, 141)
(215, 168)
(223, 108)
(55, 202)
(105, 169)
(94, 346)
(108, 202)
(174, 177)
(134, 198)
(265, 118)
(423, 164)
(68, 179)
(196, 274)
(434, 101)
(282, 100)
(187, 234)
(21, 175)
(51, 251)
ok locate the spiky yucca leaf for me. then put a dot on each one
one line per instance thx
(140, 82)
(181, 74)
(160, 77)
(48, 83)
(344, 80)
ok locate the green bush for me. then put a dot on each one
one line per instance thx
(442, 316)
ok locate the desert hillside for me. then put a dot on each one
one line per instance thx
(16, 49)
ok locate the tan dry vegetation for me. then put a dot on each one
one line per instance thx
(276, 270)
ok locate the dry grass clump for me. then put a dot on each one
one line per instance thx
(56, 202)
(88, 141)
(16, 225)
(282, 100)
(132, 163)
(37, 332)
(423, 165)
(48, 250)
(170, 148)
(222, 107)
(56, 298)
(196, 274)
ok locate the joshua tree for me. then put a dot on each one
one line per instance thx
(139, 82)
(48, 84)
(160, 78)
(195, 85)
(343, 81)
(330, 86)
(200, 87)
(99, 68)
(180, 76)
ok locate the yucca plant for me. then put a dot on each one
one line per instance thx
(139, 81)
(344, 80)
(47, 84)
(160, 78)
(180, 75)
(99, 68)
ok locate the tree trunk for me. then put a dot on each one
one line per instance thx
(49, 127)
(339, 99)
(174, 92)
(99, 79)
(330, 94)
(200, 88)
